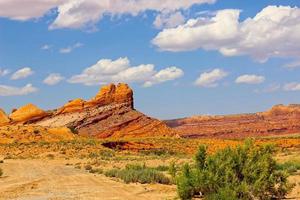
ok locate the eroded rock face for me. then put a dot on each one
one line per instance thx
(112, 94)
(72, 106)
(27, 113)
(109, 114)
(277, 121)
(4, 120)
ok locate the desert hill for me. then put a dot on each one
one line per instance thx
(110, 113)
(279, 120)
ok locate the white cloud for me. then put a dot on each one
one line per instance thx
(6, 90)
(292, 65)
(169, 20)
(211, 78)
(53, 79)
(69, 49)
(163, 75)
(250, 79)
(46, 47)
(4, 72)
(294, 86)
(82, 13)
(273, 32)
(120, 70)
(25, 10)
(22, 73)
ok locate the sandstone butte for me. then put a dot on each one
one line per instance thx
(279, 120)
(110, 113)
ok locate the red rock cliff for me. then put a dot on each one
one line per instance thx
(276, 121)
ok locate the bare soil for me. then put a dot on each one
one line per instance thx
(54, 180)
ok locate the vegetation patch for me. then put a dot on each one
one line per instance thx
(138, 174)
(290, 166)
(247, 172)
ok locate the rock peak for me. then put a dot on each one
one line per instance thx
(113, 94)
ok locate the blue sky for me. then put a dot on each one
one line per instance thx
(182, 58)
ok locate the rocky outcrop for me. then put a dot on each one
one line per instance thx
(72, 106)
(109, 114)
(277, 121)
(4, 120)
(112, 94)
(27, 114)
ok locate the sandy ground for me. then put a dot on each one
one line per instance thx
(53, 180)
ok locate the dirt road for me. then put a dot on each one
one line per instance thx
(53, 180)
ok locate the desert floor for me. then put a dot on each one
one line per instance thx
(53, 179)
(58, 171)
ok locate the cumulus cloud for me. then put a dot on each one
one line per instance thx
(81, 13)
(211, 78)
(294, 86)
(4, 72)
(6, 90)
(273, 32)
(22, 73)
(250, 79)
(69, 49)
(25, 10)
(120, 70)
(169, 20)
(53, 79)
(163, 75)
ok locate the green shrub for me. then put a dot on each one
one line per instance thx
(172, 170)
(161, 168)
(138, 174)
(246, 172)
(157, 152)
(290, 166)
(96, 171)
(1, 172)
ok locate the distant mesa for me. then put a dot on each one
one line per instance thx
(279, 120)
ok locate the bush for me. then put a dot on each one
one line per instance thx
(96, 171)
(246, 172)
(1, 172)
(290, 166)
(172, 170)
(138, 174)
(88, 167)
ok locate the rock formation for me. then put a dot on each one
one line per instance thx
(26, 114)
(4, 120)
(109, 114)
(277, 121)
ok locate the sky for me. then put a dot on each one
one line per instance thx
(181, 58)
